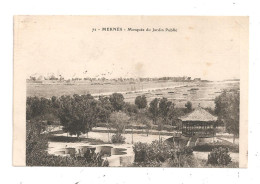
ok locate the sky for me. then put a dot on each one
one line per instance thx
(205, 47)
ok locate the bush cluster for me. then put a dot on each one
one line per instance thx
(219, 156)
(52, 160)
(162, 154)
(118, 139)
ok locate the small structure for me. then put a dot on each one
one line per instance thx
(199, 123)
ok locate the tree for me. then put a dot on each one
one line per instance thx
(119, 120)
(188, 106)
(42, 109)
(130, 109)
(174, 114)
(227, 109)
(164, 108)
(117, 101)
(104, 112)
(36, 107)
(148, 124)
(78, 114)
(36, 142)
(141, 101)
(154, 110)
(104, 109)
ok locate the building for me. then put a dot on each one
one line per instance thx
(199, 123)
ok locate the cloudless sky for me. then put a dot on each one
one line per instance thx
(206, 47)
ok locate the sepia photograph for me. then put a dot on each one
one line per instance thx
(131, 91)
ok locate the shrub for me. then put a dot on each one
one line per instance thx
(161, 154)
(118, 138)
(182, 157)
(182, 160)
(219, 156)
(155, 151)
(52, 160)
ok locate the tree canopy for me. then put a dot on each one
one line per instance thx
(188, 106)
(78, 114)
(104, 109)
(119, 120)
(227, 109)
(154, 110)
(117, 101)
(141, 101)
(164, 108)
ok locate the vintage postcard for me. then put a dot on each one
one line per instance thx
(131, 91)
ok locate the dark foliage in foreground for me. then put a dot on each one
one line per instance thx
(219, 156)
(162, 154)
(36, 154)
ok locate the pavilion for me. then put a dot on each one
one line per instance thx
(199, 123)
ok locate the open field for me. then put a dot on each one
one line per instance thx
(178, 92)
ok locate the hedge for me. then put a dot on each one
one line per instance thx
(210, 146)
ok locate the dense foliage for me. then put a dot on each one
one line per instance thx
(227, 110)
(78, 114)
(159, 154)
(117, 101)
(154, 110)
(164, 108)
(36, 143)
(36, 154)
(219, 156)
(105, 109)
(130, 109)
(42, 109)
(141, 101)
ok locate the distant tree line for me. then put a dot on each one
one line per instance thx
(120, 79)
